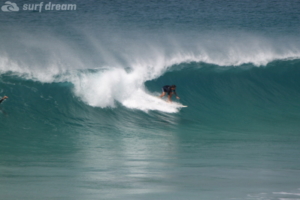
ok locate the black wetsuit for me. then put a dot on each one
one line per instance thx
(168, 89)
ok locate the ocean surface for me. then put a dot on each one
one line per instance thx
(83, 120)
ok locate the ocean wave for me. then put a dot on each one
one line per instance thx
(104, 73)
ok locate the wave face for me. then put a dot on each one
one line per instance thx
(223, 76)
(217, 96)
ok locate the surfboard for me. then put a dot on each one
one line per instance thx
(176, 103)
(183, 106)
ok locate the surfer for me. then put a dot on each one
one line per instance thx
(170, 90)
(3, 98)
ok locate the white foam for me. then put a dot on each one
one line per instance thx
(143, 101)
(103, 89)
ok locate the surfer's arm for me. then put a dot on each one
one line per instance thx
(177, 97)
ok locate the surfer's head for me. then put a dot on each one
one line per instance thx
(173, 87)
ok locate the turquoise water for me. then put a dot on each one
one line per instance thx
(82, 120)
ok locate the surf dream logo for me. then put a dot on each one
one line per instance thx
(12, 7)
(9, 7)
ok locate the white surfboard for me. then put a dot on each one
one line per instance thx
(175, 103)
(183, 106)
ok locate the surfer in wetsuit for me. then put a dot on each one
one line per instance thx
(170, 90)
(3, 98)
